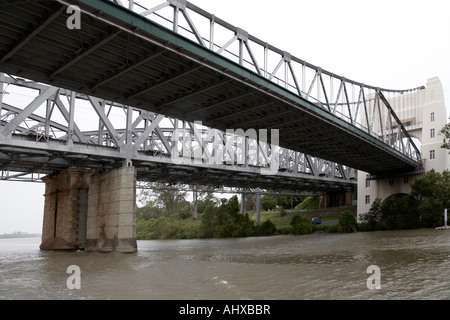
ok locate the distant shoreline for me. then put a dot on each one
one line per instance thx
(19, 235)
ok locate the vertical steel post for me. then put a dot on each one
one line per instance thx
(266, 59)
(47, 119)
(258, 207)
(1, 93)
(211, 33)
(195, 195)
(176, 10)
(241, 52)
(71, 119)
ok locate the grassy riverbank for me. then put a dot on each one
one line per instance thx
(225, 221)
(329, 216)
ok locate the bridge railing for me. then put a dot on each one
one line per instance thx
(358, 104)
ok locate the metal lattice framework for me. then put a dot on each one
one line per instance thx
(363, 106)
(51, 128)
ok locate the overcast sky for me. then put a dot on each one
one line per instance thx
(396, 44)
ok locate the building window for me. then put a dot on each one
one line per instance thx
(432, 133)
(406, 180)
(367, 183)
(432, 117)
(432, 155)
(367, 199)
(391, 181)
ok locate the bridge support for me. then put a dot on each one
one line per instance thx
(111, 219)
(195, 198)
(92, 212)
(242, 203)
(258, 208)
(65, 210)
(337, 199)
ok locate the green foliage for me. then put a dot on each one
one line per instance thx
(149, 211)
(203, 203)
(446, 133)
(399, 212)
(267, 228)
(301, 225)
(268, 202)
(161, 228)
(282, 212)
(432, 193)
(170, 201)
(371, 219)
(347, 222)
(308, 204)
(225, 221)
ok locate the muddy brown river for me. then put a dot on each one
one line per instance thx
(412, 264)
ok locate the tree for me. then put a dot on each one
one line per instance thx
(204, 199)
(170, 199)
(268, 202)
(301, 225)
(374, 215)
(347, 221)
(149, 211)
(446, 132)
(432, 191)
(400, 212)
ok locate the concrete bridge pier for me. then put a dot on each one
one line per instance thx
(337, 199)
(65, 209)
(111, 214)
(92, 212)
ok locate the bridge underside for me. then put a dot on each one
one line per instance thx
(121, 56)
(24, 160)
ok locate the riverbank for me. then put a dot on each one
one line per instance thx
(223, 224)
(19, 234)
(330, 216)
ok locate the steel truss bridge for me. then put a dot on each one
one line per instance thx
(163, 84)
(59, 128)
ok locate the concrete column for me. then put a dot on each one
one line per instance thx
(324, 201)
(111, 219)
(258, 208)
(195, 196)
(242, 203)
(65, 209)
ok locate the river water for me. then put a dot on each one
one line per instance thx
(413, 264)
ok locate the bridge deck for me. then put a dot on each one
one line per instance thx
(121, 56)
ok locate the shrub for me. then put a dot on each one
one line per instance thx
(161, 228)
(267, 228)
(300, 225)
(347, 222)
